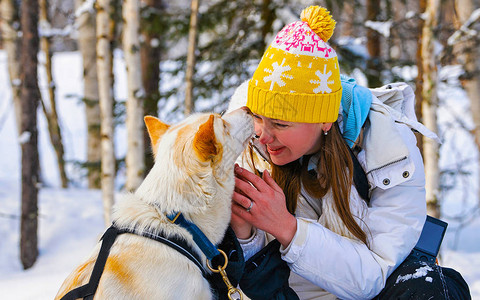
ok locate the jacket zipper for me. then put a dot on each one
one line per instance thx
(390, 163)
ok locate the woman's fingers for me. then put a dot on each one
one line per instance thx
(240, 212)
(241, 226)
(241, 200)
(245, 188)
(269, 180)
(250, 177)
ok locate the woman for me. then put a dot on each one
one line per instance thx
(338, 182)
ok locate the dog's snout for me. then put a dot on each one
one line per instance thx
(247, 110)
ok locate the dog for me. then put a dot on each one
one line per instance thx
(192, 174)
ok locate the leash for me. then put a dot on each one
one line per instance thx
(199, 237)
(88, 290)
(208, 249)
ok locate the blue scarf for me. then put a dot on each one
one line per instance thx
(356, 101)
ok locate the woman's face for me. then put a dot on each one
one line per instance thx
(288, 141)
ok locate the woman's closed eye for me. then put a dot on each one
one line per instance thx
(280, 125)
(274, 123)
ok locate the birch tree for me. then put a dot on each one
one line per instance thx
(87, 39)
(50, 110)
(29, 137)
(192, 47)
(131, 48)
(429, 106)
(105, 87)
(10, 27)
(470, 58)
(419, 80)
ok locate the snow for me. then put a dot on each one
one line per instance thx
(70, 220)
(24, 137)
(381, 27)
(86, 7)
(420, 272)
(410, 14)
(355, 45)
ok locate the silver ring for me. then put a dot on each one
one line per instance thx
(250, 207)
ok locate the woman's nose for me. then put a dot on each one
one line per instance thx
(264, 135)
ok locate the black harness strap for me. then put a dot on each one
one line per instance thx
(176, 243)
(88, 290)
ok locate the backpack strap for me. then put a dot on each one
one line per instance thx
(359, 178)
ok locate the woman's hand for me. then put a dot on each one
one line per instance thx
(243, 229)
(268, 210)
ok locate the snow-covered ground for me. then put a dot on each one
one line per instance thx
(70, 220)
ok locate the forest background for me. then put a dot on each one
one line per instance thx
(179, 57)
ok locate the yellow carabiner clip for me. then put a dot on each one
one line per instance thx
(221, 269)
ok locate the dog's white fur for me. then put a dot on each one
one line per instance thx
(192, 174)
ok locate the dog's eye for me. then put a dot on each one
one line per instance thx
(226, 126)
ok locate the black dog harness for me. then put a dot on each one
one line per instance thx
(88, 290)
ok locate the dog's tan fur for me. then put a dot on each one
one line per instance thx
(193, 174)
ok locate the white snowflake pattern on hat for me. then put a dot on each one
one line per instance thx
(323, 82)
(277, 73)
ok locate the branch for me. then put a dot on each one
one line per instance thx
(4, 116)
(9, 216)
(465, 29)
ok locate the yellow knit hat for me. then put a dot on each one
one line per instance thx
(298, 78)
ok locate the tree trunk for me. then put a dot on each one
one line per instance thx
(10, 25)
(373, 46)
(429, 107)
(105, 85)
(150, 52)
(419, 79)
(29, 138)
(192, 46)
(87, 44)
(347, 24)
(131, 49)
(471, 64)
(267, 16)
(50, 110)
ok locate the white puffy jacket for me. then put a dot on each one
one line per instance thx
(323, 256)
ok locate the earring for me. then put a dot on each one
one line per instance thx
(256, 136)
(325, 133)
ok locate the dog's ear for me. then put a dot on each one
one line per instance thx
(204, 141)
(155, 128)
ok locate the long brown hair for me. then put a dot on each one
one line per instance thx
(334, 172)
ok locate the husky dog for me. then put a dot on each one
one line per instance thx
(193, 174)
